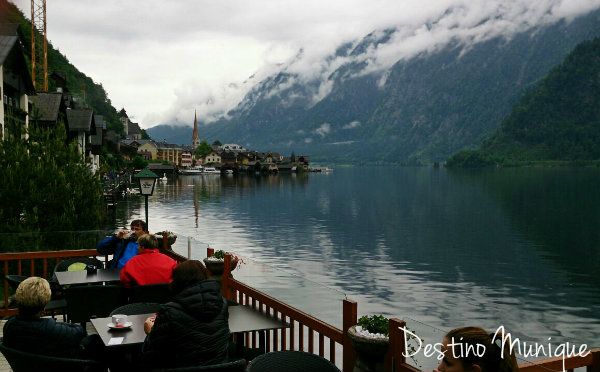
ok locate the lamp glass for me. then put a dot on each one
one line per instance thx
(147, 185)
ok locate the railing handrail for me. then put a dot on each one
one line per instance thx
(47, 254)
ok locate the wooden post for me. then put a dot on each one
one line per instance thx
(225, 291)
(395, 356)
(350, 317)
(595, 366)
(210, 252)
(165, 243)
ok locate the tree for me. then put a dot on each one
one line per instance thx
(138, 162)
(293, 157)
(217, 143)
(46, 184)
(145, 135)
(203, 150)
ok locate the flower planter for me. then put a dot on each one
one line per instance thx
(216, 267)
(171, 238)
(370, 352)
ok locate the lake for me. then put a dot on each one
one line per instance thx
(441, 248)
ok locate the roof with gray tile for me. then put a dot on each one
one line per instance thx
(47, 105)
(79, 119)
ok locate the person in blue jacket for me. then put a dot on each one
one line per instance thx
(123, 245)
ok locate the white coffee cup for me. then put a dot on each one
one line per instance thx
(119, 319)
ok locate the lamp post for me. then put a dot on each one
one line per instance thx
(147, 180)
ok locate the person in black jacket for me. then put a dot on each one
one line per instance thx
(29, 332)
(193, 328)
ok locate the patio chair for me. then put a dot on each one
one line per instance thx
(238, 365)
(93, 301)
(290, 361)
(159, 293)
(58, 301)
(64, 265)
(21, 361)
(137, 308)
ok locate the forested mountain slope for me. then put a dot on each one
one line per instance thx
(558, 120)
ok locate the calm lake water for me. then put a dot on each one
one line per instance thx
(512, 247)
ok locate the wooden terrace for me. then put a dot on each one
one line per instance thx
(306, 333)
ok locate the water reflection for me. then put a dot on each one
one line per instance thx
(510, 247)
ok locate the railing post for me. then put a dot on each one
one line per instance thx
(165, 243)
(225, 291)
(210, 251)
(595, 366)
(350, 317)
(395, 359)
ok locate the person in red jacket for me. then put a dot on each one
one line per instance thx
(149, 266)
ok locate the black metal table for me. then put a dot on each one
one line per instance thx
(83, 277)
(241, 319)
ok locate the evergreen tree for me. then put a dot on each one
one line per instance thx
(46, 184)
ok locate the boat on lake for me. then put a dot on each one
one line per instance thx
(192, 170)
(211, 170)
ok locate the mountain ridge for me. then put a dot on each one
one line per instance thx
(419, 111)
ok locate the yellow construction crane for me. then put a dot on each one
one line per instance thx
(39, 45)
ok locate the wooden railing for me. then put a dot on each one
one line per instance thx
(28, 260)
(306, 332)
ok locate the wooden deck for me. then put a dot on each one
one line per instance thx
(307, 332)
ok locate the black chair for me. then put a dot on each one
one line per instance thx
(238, 365)
(58, 301)
(64, 265)
(14, 280)
(159, 293)
(290, 361)
(93, 301)
(137, 308)
(21, 361)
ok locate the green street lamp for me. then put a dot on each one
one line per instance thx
(147, 180)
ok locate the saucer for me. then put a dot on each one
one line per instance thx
(123, 326)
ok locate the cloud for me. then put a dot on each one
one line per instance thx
(162, 60)
(342, 143)
(323, 130)
(352, 125)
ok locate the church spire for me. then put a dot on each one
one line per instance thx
(195, 137)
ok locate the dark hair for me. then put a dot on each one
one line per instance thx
(139, 223)
(187, 274)
(492, 360)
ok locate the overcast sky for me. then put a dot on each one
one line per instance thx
(161, 60)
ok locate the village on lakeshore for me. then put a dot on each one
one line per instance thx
(24, 104)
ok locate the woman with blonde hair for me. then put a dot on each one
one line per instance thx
(471, 349)
(28, 331)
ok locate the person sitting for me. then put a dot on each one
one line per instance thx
(193, 328)
(149, 266)
(123, 245)
(29, 332)
(491, 360)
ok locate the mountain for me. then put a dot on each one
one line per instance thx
(180, 135)
(420, 110)
(558, 120)
(83, 88)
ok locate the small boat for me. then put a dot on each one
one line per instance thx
(211, 170)
(192, 170)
